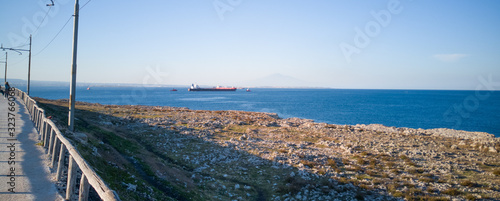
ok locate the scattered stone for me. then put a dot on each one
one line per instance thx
(298, 159)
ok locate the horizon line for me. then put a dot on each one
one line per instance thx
(64, 83)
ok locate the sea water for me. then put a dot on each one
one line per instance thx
(462, 110)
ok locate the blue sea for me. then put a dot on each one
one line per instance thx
(462, 110)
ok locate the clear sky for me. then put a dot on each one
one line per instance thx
(419, 44)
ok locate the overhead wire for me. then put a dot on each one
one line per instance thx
(33, 33)
(85, 4)
(52, 40)
(47, 13)
(21, 46)
(37, 28)
(60, 30)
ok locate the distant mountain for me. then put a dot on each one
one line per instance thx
(278, 81)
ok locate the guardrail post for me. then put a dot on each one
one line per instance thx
(60, 164)
(35, 118)
(71, 178)
(55, 152)
(46, 139)
(51, 141)
(43, 130)
(32, 106)
(84, 189)
(38, 118)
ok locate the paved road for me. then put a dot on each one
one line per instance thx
(24, 172)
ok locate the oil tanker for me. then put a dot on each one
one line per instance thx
(195, 87)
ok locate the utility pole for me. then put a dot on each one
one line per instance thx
(20, 53)
(5, 67)
(29, 69)
(71, 119)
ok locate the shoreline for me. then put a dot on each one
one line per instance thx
(400, 108)
(251, 155)
(444, 131)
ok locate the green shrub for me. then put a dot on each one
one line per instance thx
(346, 161)
(426, 179)
(397, 194)
(362, 161)
(452, 192)
(411, 163)
(468, 183)
(470, 197)
(390, 164)
(366, 187)
(332, 163)
(371, 173)
(437, 199)
(293, 185)
(310, 164)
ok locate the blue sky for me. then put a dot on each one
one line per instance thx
(389, 44)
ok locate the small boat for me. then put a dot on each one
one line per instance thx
(173, 89)
(248, 90)
(88, 88)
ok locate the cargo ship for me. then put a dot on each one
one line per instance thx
(195, 87)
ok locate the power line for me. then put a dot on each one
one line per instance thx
(33, 33)
(38, 27)
(42, 20)
(60, 30)
(21, 45)
(85, 5)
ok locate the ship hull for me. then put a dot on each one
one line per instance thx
(213, 89)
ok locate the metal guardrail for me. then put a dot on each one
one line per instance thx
(57, 146)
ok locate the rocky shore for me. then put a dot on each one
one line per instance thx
(162, 153)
